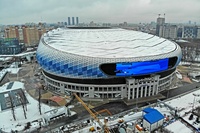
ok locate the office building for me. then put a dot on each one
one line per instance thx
(73, 21)
(190, 32)
(160, 22)
(10, 46)
(168, 31)
(69, 21)
(77, 21)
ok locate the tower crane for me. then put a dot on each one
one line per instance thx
(104, 127)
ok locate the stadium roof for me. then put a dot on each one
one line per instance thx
(108, 43)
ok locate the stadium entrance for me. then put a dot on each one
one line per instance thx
(138, 88)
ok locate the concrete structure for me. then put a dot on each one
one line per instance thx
(107, 63)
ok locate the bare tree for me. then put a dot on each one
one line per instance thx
(22, 100)
(12, 106)
(39, 98)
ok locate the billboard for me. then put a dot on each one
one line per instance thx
(141, 68)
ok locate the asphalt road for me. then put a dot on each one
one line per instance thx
(181, 90)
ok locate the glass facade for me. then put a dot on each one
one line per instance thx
(10, 46)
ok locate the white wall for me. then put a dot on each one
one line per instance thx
(146, 125)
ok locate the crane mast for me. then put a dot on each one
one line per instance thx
(91, 113)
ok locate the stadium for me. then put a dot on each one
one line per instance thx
(107, 63)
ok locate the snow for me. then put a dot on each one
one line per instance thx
(178, 127)
(12, 69)
(183, 104)
(178, 75)
(94, 43)
(7, 122)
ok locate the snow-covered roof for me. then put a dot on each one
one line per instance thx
(108, 43)
(11, 86)
(178, 127)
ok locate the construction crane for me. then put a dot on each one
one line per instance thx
(105, 129)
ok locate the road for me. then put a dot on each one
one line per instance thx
(29, 70)
(181, 90)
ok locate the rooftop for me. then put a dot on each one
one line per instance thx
(16, 92)
(108, 43)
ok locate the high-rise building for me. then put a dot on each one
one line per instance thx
(69, 23)
(168, 31)
(12, 32)
(29, 35)
(73, 21)
(32, 36)
(160, 23)
(179, 32)
(77, 21)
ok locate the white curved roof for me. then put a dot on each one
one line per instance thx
(108, 43)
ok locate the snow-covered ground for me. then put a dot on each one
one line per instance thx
(183, 104)
(7, 122)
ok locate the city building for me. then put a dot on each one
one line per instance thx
(12, 32)
(77, 21)
(29, 35)
(107, 63)
(198, 33)
(190, 32)
(73, 21)
(10, 46)
(168, 31)
(69, 21)
(160, 22)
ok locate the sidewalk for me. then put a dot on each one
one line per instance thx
(144, 99)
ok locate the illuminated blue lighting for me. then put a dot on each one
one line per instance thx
(138, 68)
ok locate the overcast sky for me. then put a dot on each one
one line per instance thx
(112, 11)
